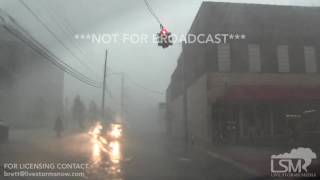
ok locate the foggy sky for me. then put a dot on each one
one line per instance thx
(147, 64)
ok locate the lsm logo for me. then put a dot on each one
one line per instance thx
(293, 164)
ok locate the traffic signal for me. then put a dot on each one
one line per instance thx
(164, 38)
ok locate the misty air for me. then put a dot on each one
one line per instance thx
(159, 90)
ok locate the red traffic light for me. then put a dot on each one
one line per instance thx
(164, 38)
(164, 31)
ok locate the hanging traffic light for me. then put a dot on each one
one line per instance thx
(164, 37)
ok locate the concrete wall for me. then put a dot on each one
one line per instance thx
(177, 117)
(199, 111)
(199, 125)
(162, 117)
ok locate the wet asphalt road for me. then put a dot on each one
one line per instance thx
(154, 158)
(145, 156)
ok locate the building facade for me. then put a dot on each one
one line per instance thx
(31, 88)
(265, 85)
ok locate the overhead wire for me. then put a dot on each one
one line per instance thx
(112, 72)
(143, 87)
(71, 70)
(52, 33)
(38, 47)
(17, 31)
(152, 12)
(64, 67)
(67, 29)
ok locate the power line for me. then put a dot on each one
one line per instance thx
(68, 29)
(152, 11)
(71, 33)
(25, 37)
(52, 33)
(65, 29)
(143, 87)
(64, 67)
(135, 83)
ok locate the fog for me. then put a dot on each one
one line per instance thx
(238, 110)
(145, 65)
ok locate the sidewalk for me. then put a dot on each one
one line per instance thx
(254, 160)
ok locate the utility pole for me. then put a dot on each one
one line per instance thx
(104, 85)
(122, 97)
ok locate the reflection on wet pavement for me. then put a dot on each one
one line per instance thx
(105, 161)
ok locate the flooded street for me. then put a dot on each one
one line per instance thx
(136, 156)
(147, 155)
(107, 154)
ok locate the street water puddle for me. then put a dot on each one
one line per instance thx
(106, 153)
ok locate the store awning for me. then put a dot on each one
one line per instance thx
(272, 94)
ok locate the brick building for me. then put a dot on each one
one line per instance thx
(265, 86)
